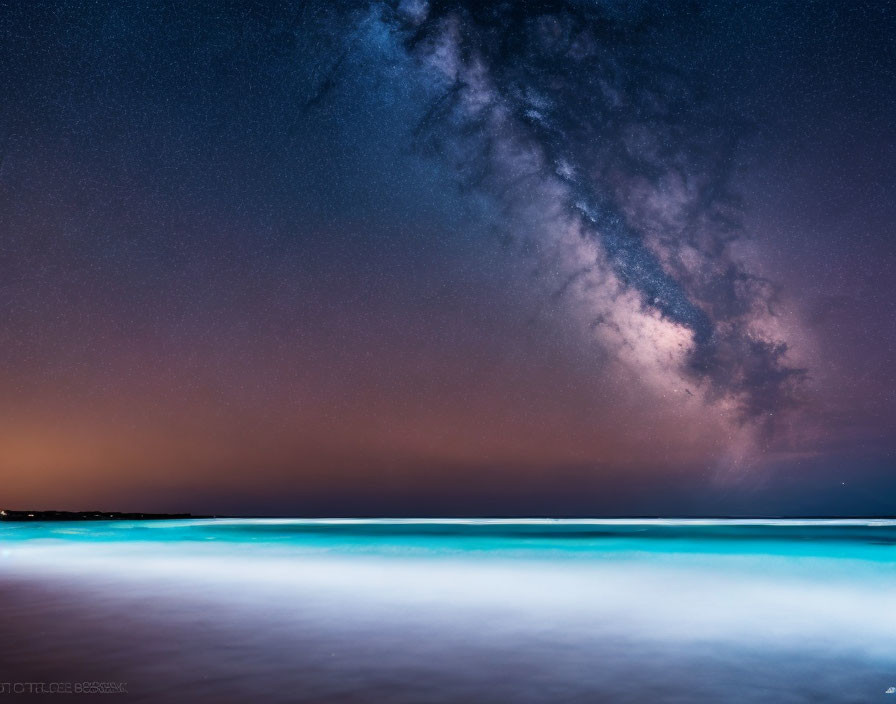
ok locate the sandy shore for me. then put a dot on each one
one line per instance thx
(174, 650)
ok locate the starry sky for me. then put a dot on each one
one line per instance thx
(557, 257)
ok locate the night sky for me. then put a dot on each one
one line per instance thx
(448, 258)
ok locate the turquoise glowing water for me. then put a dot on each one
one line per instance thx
(456, 610)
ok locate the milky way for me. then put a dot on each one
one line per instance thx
(573, 111)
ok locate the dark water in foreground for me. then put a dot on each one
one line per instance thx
(452, 611)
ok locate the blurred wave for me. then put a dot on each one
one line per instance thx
(455, 611)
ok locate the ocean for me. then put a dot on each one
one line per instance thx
(449, 611)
